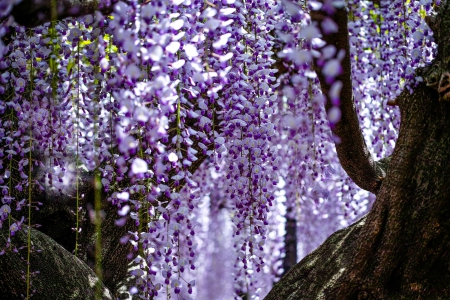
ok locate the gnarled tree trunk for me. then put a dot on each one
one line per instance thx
(401, 249)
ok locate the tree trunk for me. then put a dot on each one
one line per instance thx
(401, 250)
(290, 242)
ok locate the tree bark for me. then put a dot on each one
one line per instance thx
(61, 275)
(318, 270)
(400, 250)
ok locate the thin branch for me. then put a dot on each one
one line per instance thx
(351, 148)
(32, 13)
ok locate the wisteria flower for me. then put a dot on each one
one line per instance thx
(139, 166)
(20, 85)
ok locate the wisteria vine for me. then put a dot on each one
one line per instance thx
(157, 90)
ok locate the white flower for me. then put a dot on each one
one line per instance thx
(20, 84)
(301, 56)
(227, 11)
(190, 51)
(5, 209)
(177, 24)
(332, 68)
(226, 57)
(123, 196)
(172, 157)
(124, 210)
(334, 114)
(141, 114)
(335, 91)
(148, 11)
(223, 40)
(139, 166)
(178, 64)
(155, 53)
(173, 47)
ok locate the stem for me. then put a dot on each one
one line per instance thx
(29, 186)
(97, 201)
(142, 209)
(29, 218)
(77, 153)
(98, 231)
(10, 178)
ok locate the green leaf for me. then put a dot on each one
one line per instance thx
(70, 65)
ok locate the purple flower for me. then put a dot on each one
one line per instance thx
(20, 85)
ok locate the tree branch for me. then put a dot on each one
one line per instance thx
(32, 13)
(351, 148)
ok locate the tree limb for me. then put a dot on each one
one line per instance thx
(32, 13)
(351, 148)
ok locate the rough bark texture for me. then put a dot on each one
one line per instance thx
(56, 220)
(61, 274)
(401, 249)
(318, 270)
